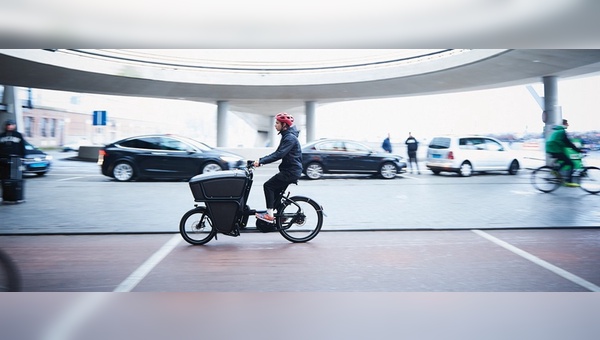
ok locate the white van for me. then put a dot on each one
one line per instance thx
(465, 155)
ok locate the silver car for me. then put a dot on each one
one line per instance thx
(466, 155)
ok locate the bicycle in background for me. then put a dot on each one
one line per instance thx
(548, 178)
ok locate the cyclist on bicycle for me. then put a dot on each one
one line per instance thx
(290, 169)
(555, 147)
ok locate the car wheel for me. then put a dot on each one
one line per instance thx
(388, 170)
(514, 167)
(466, 169)
(211, 167)
(123, 172)
(436, 172)
(314, 171)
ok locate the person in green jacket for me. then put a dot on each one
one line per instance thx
(555, 147)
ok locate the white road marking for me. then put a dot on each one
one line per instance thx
(73, 318)
(556, 270)
(75, 177)
(525, 193)
(68, 179)
(139, 274)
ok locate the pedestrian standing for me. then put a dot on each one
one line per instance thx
(412, 145)
(12, 144)
(387, 145)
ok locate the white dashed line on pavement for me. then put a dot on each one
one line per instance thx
(556, 270)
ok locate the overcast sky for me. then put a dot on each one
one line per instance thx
(511, 109)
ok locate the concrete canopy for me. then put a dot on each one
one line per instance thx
(266, 87)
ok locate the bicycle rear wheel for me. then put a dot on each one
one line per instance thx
(10, 278)
(546, 179)
(299, 219)
(589, 179)
(196, 226)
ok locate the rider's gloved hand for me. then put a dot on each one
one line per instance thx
(256, 164)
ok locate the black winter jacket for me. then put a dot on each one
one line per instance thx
(290, 153)
(12, 143)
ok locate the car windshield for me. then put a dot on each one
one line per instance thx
(440, 143)
(29, 146)
(198, 145)
(164, 143)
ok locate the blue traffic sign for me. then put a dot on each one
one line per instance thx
(99, 118)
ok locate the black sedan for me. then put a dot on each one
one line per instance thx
(344, 156)
(163, 157)
(36, 161)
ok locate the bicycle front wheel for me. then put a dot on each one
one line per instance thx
(589, 179)
(299, 219)
(546, 179)
(196, 226)
(10, 278)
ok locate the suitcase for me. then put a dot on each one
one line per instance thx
(12, 190)
(15, 168)
(10, 168)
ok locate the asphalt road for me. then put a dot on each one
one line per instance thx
(75, 198)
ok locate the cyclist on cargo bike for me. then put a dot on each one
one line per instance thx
(290, 169)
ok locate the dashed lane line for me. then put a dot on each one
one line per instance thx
(556, 270)
(139, 274)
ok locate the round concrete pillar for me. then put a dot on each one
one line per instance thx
(552, 111)
(222, 130)
(310, 107)
(13, 107)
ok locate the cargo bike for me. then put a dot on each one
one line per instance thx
(221, 209)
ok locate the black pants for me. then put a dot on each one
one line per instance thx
(4, 168)
(412, 158)
(566, 161)
(276, 185)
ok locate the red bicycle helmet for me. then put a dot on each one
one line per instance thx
(285, 117)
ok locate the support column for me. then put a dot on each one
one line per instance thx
(552, 111)
(272, 131)
(310, 107)
(222, 130)
(13, 107)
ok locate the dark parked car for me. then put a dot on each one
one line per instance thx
(36, 161)
(163, 157)
(344, 156)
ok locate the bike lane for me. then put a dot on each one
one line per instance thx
(383, 261)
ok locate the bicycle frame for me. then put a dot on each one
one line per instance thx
(576, 158)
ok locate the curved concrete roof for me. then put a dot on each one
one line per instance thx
(268, 86)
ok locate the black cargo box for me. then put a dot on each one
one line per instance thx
(220, 185)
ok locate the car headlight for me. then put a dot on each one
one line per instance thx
(48, 158)
(230, 159)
